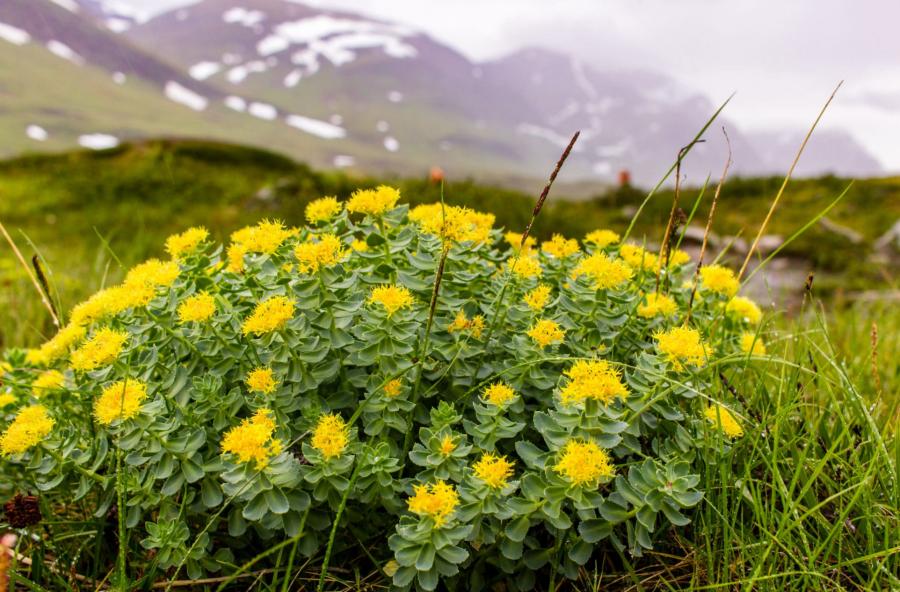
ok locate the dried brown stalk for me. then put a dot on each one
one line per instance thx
(34, 281)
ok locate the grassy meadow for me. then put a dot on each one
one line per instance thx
(807, 499)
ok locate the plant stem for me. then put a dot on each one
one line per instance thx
(337, 521)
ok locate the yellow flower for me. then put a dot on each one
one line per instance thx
(560, 246)
(682, 346)
(137, 291)
(605, 272)
(498, 394)
(252, 440)
(515, 241)
(269, 315)
(592, 379)
(31, 425)
(656, 304)
(722, 418)
(638, 257)
(678, 257)
(235, 255)
(100, 350)
(197, 308)
(312, 256)
(493, 470)
(744, 309)
(392, 298)
(584, 463)
(437, 501)
(178, 245)
(752, 344)
(525, 266)
(120, 400)
(322, 209)
(331, 436)
(392, 388)
(152, 272)
(58, 346)
(474, 325)
(720, 280)
(4, 368)
(602, 238)
(49, 380)
(7, 399)
(447, 445)
(538, 298)
(261, 380)
(546, 332)
(265, 237)
(360, 246)
(453, 223)
(373, 202)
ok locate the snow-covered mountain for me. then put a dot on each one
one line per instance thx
(341, 89)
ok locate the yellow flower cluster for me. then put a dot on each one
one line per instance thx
(253, 440)
(322, 209)
(453, 223)
(583, 463)
(152, 272)
(265, 237)
(638, 257)
(592, 379)
(373, 202)
(437, 501)
(31, 425)
(313, 255)
(57, 347)
(269, 315)
(605, 272)
(720, 280)
(682, 347)
(330, 436)
(120, 400)
(744, 309)
(448, 445)
(722, 418)
(525, 266)
(460, 323)
(752, 344)
(655, 304)
(514, 239)
(494, 470)
(560, 247)
(546, 332)
(197, 308)
(359, 246)
(392, 298)
(261, 380)
(498, 394)
(602, 238)
(537, 298)
(47, 381)
(100, 350)
(182, 244)
(393, 388)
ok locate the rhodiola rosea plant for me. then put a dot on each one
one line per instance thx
(484, 406)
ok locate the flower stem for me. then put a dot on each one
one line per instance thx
(337, 521)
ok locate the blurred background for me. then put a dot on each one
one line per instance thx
(122, 120)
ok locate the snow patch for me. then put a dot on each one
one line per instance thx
(242, 16)
(62, 50)
(272, 44)
(237, 74)
(551, 136)
(293, 78)
(36, 133)
(118, 77)
(98, 141)
(236, 103)
(118, 25)
(185, 96)
(230, 59)
(336, 119)
(316, 127)
(203, 70)
(581, 78)
(613, 150)
(14, 35)
(602, 168)
(343, 160)
(382, 126)
(263, 111)
(395, 96)
(391, 144)
(69, 5)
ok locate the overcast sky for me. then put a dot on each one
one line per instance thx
(782, 57)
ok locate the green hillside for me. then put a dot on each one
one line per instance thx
(86, 212)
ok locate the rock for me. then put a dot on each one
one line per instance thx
(769, 243)
(848, 233)
(890, 239)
